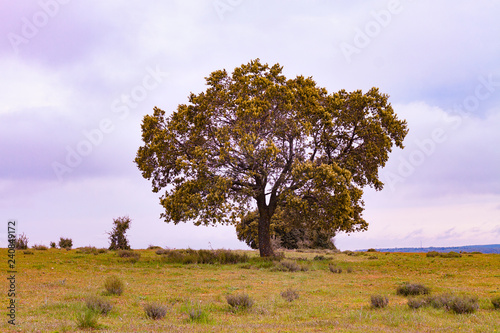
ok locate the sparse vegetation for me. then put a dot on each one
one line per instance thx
(379, 301)
(335, 269)
(22, 242)
(40, 247)
(202, 256)
(290, 266)
(65, 243)
(114, 286)
(87, 319)
(98, 305)
(290, 295)
(412, 289)
(496, 302)
(239, 301)
(155, 311)
(450, 254)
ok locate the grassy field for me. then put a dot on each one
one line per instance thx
(52, 287)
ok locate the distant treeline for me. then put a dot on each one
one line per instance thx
(492, 248)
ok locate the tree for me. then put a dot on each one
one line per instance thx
(257, 139)
(288, 237)
(117, 238)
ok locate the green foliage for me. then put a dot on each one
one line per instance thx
(432, 254)
(463, 304)
(128, 254)
(91, 250)
(153, 247)
(257, 137)
(65, 243)
(21, 242)
(371, 250)
(450, 254)
(87, 319)
(290, 294)
(40, 247)
(190, 256)
(117, 238)
(416, 303)
(239, 301)
(155, 311)
(53, 245)
(286, 237)
(114, 286)
(98, 305)
(453, 303)
(412, 289)
(496, 302)
(379, 301)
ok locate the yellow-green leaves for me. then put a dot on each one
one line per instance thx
(286, 144)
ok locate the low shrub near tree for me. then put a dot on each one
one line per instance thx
(290, 266)
(453, 303)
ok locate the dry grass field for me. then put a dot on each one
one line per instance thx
(53, 286)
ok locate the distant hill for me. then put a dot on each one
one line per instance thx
(492, 248)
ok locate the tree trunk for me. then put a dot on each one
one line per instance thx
(265, 247)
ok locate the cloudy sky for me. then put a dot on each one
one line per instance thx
(78, 76)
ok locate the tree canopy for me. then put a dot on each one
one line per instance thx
(255, 139)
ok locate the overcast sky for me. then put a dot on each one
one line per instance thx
(77, 77)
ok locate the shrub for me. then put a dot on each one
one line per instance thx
(372, 257)
(496, 302)
(320, 257)
(114, 286)
(451, 254)
(53, 245)
(21, 242)
(440, 301)
(153, 247)
(28, 252)
(117, 238)
(239, 302)
(65, 243)
(371, 250)
(415, 303)
(190, 256)
(40, 247)
(290, 295)
(350, 270)
(335, 269)
(413, 289)
(98, 305)
(128, 254)
(91, 249)
(379, 301)
(87, 319)
(463, 304)
(290, 266)
(155, 311)
(432, 254)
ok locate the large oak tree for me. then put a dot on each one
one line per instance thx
(255, 139)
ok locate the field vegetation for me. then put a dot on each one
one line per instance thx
(158, 290)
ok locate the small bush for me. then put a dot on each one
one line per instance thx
(154, 247)
(161, 251)
(379, 301)
(87, 319)
(350, 270)
(415, 303)
(65, 243)
(372, 257)
(290, 295)
(432, 254)
(117, 238)
(239, 302)
(53, 245)
(440, 301)
(290, 266)
(21, 242)
(155, 311)
(98, 305)
(189, 256)
(451, 254)
(496, 302)
(40, 247)
(412, 289)
(114, 286)
(349, 253)
(335, 269)
(28, 252)
(371, 250)
(463, 304)
(128, 254)
(320, 257)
